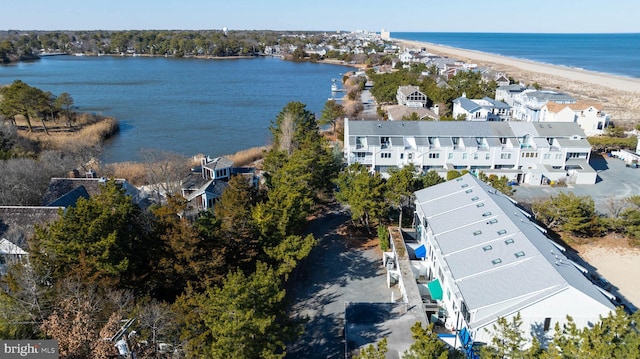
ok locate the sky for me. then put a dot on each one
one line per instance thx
(540, 16)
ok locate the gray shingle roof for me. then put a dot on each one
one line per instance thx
(491, 248)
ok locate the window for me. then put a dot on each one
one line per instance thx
(468, 191)
(385, 155)
(464, 185)
(464, 156)
(496, 261)
(501, 232)
(547, 156)
(475, 198)
(503, 140)
(547, 324)
(385, 141)
(486, 214)
(505, 156)
(558, 156)
(487, 156)
(434, 155)
(450, 156)
(493, 221)
(410, 156)
(519, 254)
(401, 155)
(487, 248)
(477, 233)
(480, 205)
(507, 241)
(475, 156)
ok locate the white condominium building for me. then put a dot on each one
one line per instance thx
(524, 152)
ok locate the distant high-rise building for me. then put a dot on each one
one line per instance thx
(385, 35)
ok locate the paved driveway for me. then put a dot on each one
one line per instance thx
(336, 272)
(615, 181)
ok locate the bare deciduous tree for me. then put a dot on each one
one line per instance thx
(165, 170)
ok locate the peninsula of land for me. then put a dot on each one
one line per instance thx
(619, 95)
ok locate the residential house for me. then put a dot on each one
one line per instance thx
(502, 80)
(485, 109)
(411, 96)
(484, 258)
(528, 103)
(17, 223)
(524, 152)
(399, 112)
(65, 192)
(589, 116)
(205, 183)
(10, 254)
(508, 93)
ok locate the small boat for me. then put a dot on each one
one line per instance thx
(334, 87)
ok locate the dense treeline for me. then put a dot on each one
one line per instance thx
(209, 286)
(577, 217)
(15, 45)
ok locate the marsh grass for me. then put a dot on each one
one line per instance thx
(248, 156)
(87, 131)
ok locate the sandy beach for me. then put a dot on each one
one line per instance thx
(608, 259)
(620, 96)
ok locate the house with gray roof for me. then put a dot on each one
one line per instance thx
(205, 183)
(484, 258)
(524, 152)
(485, 109)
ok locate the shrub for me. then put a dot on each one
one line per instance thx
(383, 236)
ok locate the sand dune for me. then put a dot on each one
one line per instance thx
(619, 95)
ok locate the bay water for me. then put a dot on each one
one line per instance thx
(186, 106)
(617, 54)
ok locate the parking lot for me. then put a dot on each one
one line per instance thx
(615, 181)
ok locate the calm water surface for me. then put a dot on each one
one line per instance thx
(188, 106)
(608, 53)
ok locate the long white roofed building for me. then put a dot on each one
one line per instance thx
(487, 259)
(524, 152)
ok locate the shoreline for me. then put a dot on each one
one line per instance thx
(618, 94)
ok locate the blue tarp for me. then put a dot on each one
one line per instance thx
(421, 252)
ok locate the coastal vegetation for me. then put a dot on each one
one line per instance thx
(469, 83)
(41, 136)
(210, 285)
(16, 45)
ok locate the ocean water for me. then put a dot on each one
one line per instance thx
(617, 54)
(186, 106)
